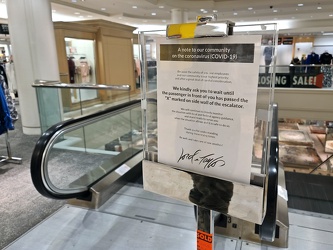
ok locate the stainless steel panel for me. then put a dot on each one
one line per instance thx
(246, 203)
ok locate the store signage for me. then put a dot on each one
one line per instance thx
(207, 90)
(281, 80)
(307, 81)
(287, 80)
(4, 30)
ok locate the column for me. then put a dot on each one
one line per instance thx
(35, 57)
(179, 16)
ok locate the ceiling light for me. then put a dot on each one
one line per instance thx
(153, 14)
(319, 8)
(202, 9)
(250, 8)
(330, 15)
(300, 5)
(235, 13)
(215, 11)
(103, 8)
(275, 11)
(161, 7)
(134, 7)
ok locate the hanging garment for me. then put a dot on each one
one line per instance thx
(6, 122)
(326, 58)
(313, 58)
(10, 102)
(3, 73)
(84, 71)
(327, 71)
(71, 69)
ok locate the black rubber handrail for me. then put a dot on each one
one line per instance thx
(268, 227)
(36, 165)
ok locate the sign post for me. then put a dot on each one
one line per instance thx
(207, 113)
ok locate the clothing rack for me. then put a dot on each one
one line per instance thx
(8, 117)
(9, 158)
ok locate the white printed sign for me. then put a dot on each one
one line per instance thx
(207, 91)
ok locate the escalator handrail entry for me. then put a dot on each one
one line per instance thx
(36, 165)
(268, 227)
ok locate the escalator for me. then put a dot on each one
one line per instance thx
(78, 158)
(74, 156)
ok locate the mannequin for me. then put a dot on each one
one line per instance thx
(268, 54)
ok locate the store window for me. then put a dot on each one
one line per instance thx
(81, 67)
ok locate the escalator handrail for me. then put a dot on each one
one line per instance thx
(47, 138)
(268, 227)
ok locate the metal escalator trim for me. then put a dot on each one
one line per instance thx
(38, 165)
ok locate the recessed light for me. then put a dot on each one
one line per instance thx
(319, 8)
(235, 13)
(134, 7)
(300, 5)
(202, 9)
(250, 8)
(153, 14)
(215, 11)
(161, 7)
(331, 15)
(275, 11)
(103, 8)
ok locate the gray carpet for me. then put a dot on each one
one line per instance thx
(21, 206)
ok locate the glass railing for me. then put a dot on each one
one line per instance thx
(306, 146)
(72, 155)
(76, 100)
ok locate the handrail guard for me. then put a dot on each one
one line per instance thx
(57, 84)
